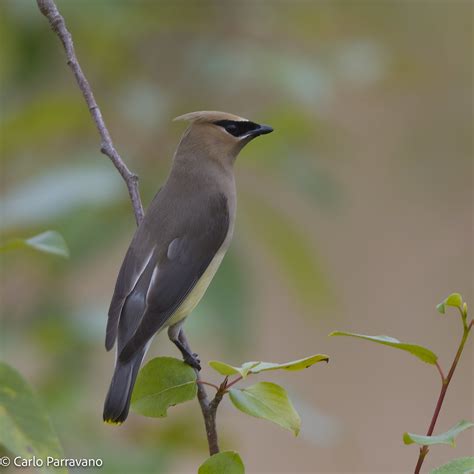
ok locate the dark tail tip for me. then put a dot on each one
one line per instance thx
(109, 421)
(112, 414)
(117, 402)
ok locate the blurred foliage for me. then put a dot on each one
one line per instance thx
(291, 248)
(47, 242)
(307, 68)
(26, 429)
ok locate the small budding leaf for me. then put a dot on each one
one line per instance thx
(257, 367)
(227, 462)
(421, 352)
(444, 438)
(454, 300)
(48, 242)
(268, 401)
(161, 383)
(456, 466)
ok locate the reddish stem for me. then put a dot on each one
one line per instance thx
(424, 449)
(440, 370)
(238, 379)
(208, 383)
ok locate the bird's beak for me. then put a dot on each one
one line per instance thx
(261, 130)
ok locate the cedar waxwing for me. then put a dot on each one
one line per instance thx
(177, 248)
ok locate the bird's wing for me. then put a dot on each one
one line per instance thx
(136, 260)
(168, 278)
(134, 265)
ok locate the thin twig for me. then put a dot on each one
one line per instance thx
(209, 384)
(441, 373)
(238, 379)
(49, 9)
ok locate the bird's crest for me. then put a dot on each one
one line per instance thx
(204, 116)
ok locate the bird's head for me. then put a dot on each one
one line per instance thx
(220, 133)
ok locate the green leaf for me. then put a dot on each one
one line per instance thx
(268, 401)
(444, 438)
(257, 367)
(456, 466)
(226, 369)
(421, 352)
(299, 364)
(454, 300)
(26, 429)
(161, 383)
(47, 242)
(227, 462)
(223, 368)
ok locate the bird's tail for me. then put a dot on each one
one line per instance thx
(117, 402)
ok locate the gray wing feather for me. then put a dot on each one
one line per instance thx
(170, 277)
(130, 272)
(133, 266)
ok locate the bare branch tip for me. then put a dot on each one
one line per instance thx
(48, 8)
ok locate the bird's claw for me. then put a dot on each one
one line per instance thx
(193, 361)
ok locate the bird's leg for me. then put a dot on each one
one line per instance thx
(194, 355)
(174, 333)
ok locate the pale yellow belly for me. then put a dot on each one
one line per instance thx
(198, 291)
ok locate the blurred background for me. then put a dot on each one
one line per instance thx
(355, 214)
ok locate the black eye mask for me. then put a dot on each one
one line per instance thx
(237, 128)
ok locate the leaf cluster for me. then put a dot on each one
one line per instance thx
(165, 381)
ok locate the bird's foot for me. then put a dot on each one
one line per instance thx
(189, 357)
(192, 360)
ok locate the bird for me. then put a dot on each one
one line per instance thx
(176, 249)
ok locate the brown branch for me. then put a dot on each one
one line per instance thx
(49, 9)
(208, 408)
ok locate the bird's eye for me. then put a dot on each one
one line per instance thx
(232, 129)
